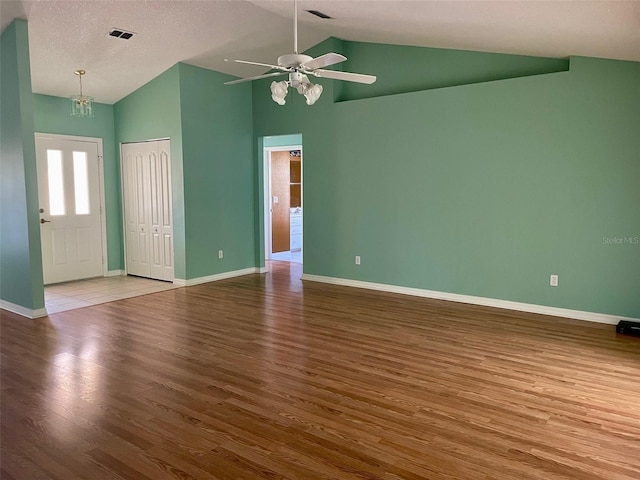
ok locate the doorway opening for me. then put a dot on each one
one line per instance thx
(283, 173)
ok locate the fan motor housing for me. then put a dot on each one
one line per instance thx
(293, 60)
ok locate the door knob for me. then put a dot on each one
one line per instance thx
(42, 220)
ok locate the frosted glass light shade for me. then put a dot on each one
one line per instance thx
(312, 93)
(279, 91)
(81, 106)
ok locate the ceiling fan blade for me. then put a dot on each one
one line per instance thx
(348, 76)
(324, 61)
(273, 67)
(258, 77)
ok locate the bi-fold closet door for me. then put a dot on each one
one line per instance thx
(146, 185)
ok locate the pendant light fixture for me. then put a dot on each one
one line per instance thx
(81, 105)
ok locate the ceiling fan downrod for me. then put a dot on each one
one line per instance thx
(295, 26)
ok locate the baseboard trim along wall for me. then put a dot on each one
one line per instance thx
(213, 278)
(115, 273)
(20, 310)
(487, 302)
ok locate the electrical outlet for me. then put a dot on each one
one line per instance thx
(357, 259)
(220, 254)
(553, 280)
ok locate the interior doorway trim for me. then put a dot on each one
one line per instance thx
(266, 158)
(101, 195)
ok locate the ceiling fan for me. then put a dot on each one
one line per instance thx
(298, 67)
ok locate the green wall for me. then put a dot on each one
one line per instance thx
(20, 250)
(403, 69)
(218, 172)
(152, 112)
(52, 116)
(209, 125)
(482, 189)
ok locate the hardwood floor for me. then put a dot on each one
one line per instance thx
(264, 377)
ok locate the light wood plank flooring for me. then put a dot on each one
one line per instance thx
(263, 376)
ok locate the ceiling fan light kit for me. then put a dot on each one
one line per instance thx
(298, 67)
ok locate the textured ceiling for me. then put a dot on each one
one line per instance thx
(65, 35)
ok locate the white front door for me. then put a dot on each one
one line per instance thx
(70, 211)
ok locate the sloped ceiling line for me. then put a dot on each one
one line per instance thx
(65, 35)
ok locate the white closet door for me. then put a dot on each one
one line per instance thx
(147, 209)
(161, 226)
(133, 171)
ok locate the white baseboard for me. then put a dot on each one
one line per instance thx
(262, 270)
(487, 302)
(20, 310)
(213, 278)
(116, 273)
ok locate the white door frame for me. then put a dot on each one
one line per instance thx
(266, 158)
(103, 214)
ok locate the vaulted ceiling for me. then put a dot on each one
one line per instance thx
(65, 35)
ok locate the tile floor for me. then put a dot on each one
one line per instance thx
(295, 257)
(84, 293)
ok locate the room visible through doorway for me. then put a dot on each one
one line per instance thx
(283, 199)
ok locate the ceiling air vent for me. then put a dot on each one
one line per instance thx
(120, 33)
(319, 14)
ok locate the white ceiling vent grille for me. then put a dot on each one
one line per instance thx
(120, 33)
